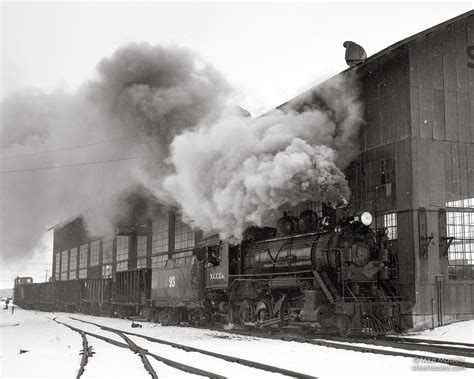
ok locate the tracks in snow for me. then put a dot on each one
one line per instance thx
(193, 370)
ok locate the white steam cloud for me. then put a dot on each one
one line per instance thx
(232, 173)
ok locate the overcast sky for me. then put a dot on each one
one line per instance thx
(270, 52)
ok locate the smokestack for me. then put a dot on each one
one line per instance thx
(355, 53)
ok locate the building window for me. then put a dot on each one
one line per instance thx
(107, 250)
(94, 253)
(64, 262)
(141, 263)
(73, 259)
(107, 271)
(64, 275)
(160, 232)
(460, 225)
(122, 266)
(158, 261)
(122, 248)
(57, 267)
(183, 234)
(72, 274)
(180, 258)
(389, 222)
(141, 246)
(83, 273)
(83, 256)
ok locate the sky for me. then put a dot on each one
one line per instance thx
(269, 51)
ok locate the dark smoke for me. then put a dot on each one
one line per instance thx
(224, 169)
(150, 93)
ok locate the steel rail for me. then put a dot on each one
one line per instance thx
(323, 341)
(142, 352)
(404, 345)
(227, 358)
(85, 348)
(169, 362)
(420, 340)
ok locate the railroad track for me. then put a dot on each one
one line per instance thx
(86, 349)
(228, 358)
(143, 353)
(402, 344)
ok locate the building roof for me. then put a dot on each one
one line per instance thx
(388, 50)
(414, 37)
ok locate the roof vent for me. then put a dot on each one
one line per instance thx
(354, 53)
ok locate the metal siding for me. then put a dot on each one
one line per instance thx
(423, 55)
(463, 170)
(451, 115)
(448, 172)
(449, 56)
(403, 175)
(439, 128)
(404, 111)
(463, 117)
(436, 175)
(460, 29)
(436, 61)
(426, 112)
(455, 168)
(414, 111)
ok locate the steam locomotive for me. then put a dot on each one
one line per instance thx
(308, 272)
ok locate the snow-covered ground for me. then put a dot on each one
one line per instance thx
(53, 351)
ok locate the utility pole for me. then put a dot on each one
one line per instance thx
(46, 279)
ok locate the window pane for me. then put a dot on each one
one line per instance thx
(94, 253)
(141, 246)
(460, 225)
(83, 249)
(122, 266)
(107, 271)
(184, 234)
(107, 250)
(122, 248)
(73, 259)
(141, 263)
(160, 232)
(64, 262)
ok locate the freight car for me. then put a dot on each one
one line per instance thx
(308, 272)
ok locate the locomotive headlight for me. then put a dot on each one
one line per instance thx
(366, 218)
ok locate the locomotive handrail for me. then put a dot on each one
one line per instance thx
(271, 274)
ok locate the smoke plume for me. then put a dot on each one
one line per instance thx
(166, 112)
(230, 174)
(141, 98)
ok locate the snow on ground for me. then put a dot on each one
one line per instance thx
(53, 351)
(456, 332)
